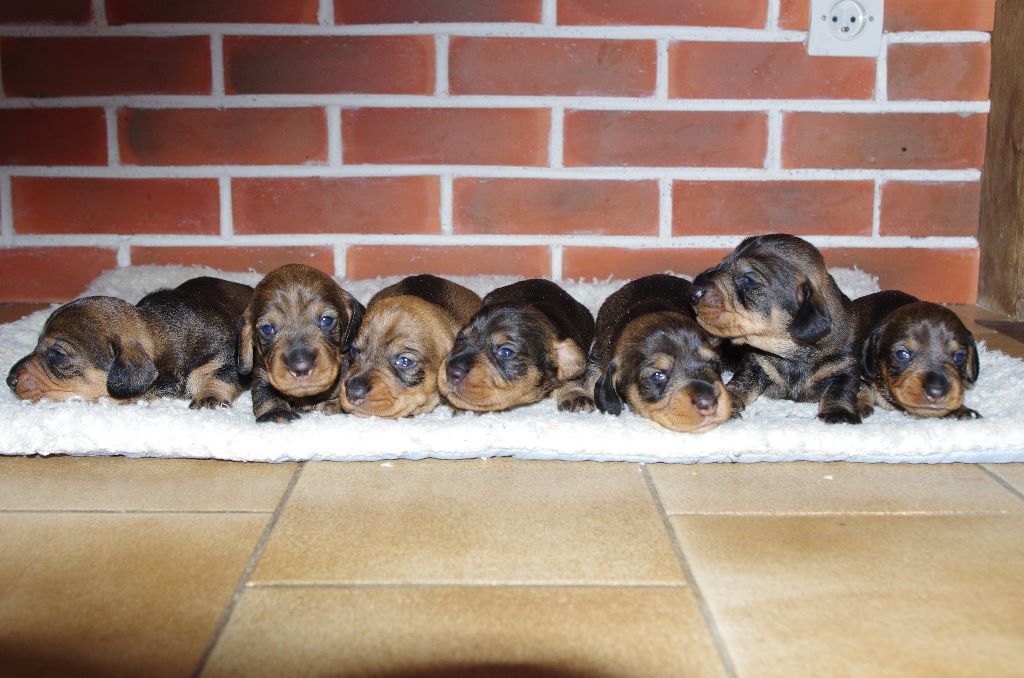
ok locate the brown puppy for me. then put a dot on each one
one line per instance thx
(650, 352)
(174, 343)
(774, 298)
(294, 337)
(407, 332)
(918, 358)
(527, 340)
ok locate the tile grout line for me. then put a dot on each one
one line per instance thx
(1002, 481)
(691, 580)
(458, 585)
(141, 511)
(250, 566)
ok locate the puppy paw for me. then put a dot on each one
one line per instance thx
(277, 417)
(208, 403)
(839, 417)
(963, 413)
(579, 403)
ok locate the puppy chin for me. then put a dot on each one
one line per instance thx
(931, 411)
(301, 387)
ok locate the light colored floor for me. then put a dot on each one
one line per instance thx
(498, 567)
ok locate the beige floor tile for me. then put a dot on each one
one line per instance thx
(126, 594)
(466, 631)
(123, 484)
(474, 521)
(1011, 473)
(1001, 342)
(863, 595)
(970, 315)
(838, 487)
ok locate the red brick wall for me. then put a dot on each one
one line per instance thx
(539, 137)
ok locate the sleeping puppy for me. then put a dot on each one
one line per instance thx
(774, 298)
(294, 338)
(918, 358)
(529, 339)
(407, 332)
(652, 354)
(175, 343)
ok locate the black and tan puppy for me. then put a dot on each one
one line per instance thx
(529, 339)
(176, 343)
(917, 357)
(650, 352)
(294, 338)
(774, 298)
(406, 334)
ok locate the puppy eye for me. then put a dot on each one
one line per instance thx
(747, 281)
(55, 356)
(505, 352)
(902, 355)
(267, 330)
(960, 357)
(326, 322)
(404, 362)
(658, 377)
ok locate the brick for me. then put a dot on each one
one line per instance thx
(737, 13)
(435, 11)
(621, 263)
(208, 136)
(45, 11)
(563, 207)
(51, 273)
(560, 67)
(930, 209)
(370, 261)
(299, 64)
(754, 207)
(940, 275)
(128, 206)
(883, 140)
(458, 136)
(665, 138)
(53, 67)
(332, 205)
(764, 70)
(212, 11)
(259, 259)
(910, 15)
(53, 136)
(940, 72)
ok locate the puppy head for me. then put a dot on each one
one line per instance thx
(395, 358)
(922, 358)
(92, 348)
(772, 292)
(508, 355)
(299, 326)
(665, 368)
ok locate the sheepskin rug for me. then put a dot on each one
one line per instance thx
(770, 430)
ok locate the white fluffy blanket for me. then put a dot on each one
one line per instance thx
(770, 430)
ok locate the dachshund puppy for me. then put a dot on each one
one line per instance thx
(174, 343)
(529, 339)
(652, 354)
(774, 298)
(294, 338)
(918, 358)
(407, 332)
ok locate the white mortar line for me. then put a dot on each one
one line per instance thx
(773, 154)
(334, 151)
(447, 204)
(124, 254)
(938, 36)
(556, 138)
(6, 210)
(556, 262)
(772, 24)
(217, 63)
(876, 211)
(549, 13)
(325, 13)
(441, 65)
(227, 214)
(664, 209)
(99, 13)
(882, 72)
(340, 263)
(113, 143)
(661, 70)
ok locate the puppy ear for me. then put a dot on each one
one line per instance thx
(606, 396)
(570, 359)
(811, 321)
(355, 318)
(869, 356)
(132, 371)
(243, 343)
(973, 364)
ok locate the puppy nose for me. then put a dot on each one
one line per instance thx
(936, 386)
(699, 288)
(356, 390)
(705, 400)
(300, 361)
(12, 379)
(456, 372)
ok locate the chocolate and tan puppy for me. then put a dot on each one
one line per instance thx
(406, 334)
(529, 339)
(774, 298)
(650, 353)
(177, 343)
(917, 357)
(294, 338)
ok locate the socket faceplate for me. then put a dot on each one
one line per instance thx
(846, 28)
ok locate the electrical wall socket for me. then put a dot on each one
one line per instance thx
(846, 28)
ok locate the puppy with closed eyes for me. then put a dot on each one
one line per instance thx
(918, 358)
(405, 335)
(774, 298)
(176, 343)
(294, 338)
(529, 339)
(650, 353)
